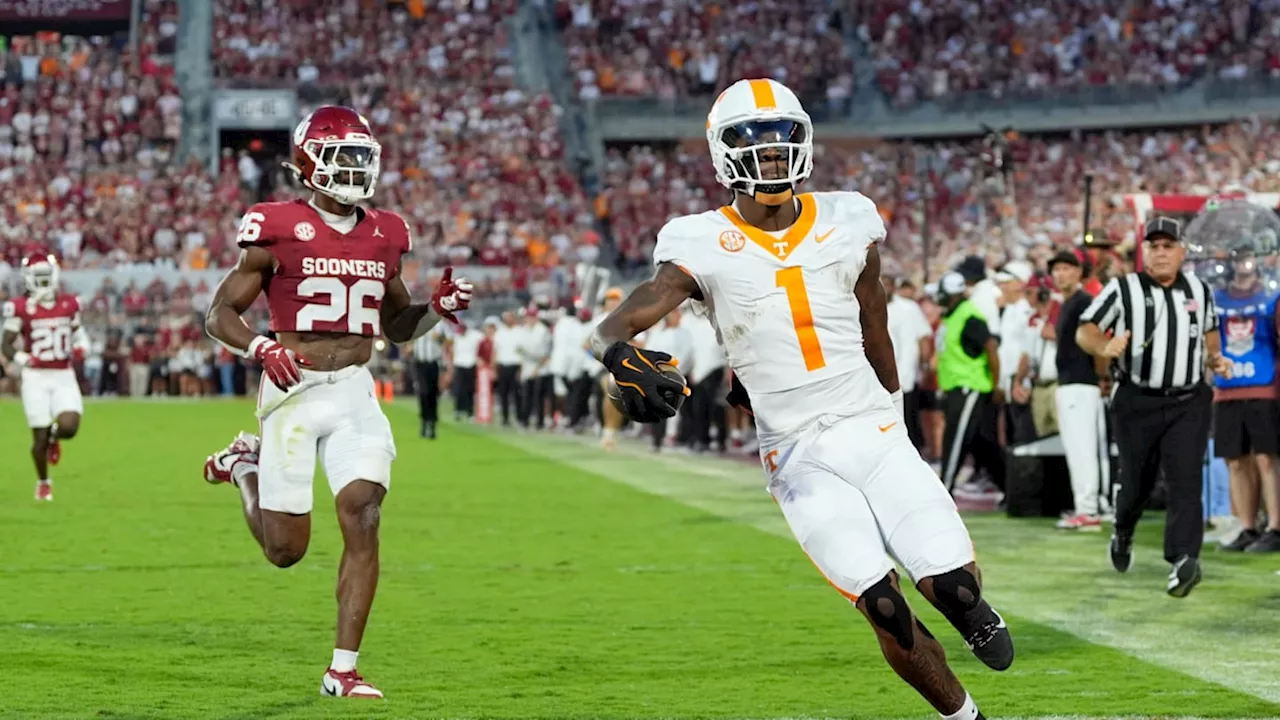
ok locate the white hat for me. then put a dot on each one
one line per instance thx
(952, 284)
(1015, 270)
(491, 320)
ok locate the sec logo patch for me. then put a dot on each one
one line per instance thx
(304, 231)
(732, 240)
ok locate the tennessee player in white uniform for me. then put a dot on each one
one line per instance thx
(792, 283)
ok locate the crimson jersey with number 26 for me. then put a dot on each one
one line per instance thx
(323, 280)
(46, 330)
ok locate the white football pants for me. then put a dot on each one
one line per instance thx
(1082, 424)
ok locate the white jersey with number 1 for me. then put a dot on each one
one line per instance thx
(841, 466)
(783, 306)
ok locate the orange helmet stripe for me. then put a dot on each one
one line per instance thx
(762, 93)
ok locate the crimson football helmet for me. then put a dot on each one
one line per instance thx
(335, 154)
(40, 275)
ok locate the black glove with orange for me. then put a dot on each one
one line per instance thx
(645, 385)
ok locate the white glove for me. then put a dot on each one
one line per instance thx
(21, 359)
(898, 403)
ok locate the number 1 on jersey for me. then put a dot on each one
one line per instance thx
(791, 279)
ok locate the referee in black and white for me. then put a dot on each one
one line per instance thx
(1164, 336)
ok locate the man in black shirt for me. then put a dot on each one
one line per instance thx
(1081, 412)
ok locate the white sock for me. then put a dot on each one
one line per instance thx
(45, 481)
(345, 660)
(240, 470)
(967, 711)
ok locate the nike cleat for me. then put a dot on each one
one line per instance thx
(347, 684)
(990, 641)
(1184, 576)
(219, 467)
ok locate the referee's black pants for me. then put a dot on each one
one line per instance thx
(428, 377)
(972, 419)
(1170, 433)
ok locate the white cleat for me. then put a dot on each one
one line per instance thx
(219, 466)
(347, 684)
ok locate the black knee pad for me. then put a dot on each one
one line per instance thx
(957, 592)
(888, 610)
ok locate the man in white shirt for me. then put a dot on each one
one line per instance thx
(910, 331)
(1015, 347)
(466, 351)
(675, 340)
(506, 356)
(566, 354)
(535, 369)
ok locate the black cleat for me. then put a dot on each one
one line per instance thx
(431, 431)
(990, 641)
(1268, 541)
(1242, 541)
(1121, 550)
(1184, 576)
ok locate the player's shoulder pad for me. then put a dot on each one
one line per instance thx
(852, 210)
(394, 227)
(270, 223)
(72, 301)
(682, 236)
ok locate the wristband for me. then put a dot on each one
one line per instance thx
(257, 344)
(898, 402)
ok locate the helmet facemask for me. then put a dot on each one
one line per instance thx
(764, 159)
(346, 169)
(41, 280)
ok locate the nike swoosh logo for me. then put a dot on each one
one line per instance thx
(626, 363)
(887, 428)
(824, 235)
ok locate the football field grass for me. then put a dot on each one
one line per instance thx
(535, 576)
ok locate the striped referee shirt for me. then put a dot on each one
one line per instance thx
(1166, 328)
(430, 347)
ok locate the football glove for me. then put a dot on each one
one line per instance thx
(738, 397)
(644, 389)
(279, 363)
(451, 296)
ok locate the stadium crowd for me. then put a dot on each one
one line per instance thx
(938, 50)
(88, 133)
(675, 49)
(967, 211)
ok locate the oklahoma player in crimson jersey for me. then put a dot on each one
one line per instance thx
(49, 324)
(330, 271)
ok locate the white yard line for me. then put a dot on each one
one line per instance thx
(1127, 613)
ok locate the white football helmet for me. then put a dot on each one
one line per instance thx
(40, 276)
(749, 119)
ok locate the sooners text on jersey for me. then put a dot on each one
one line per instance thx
(325, 281)
(46, 329)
